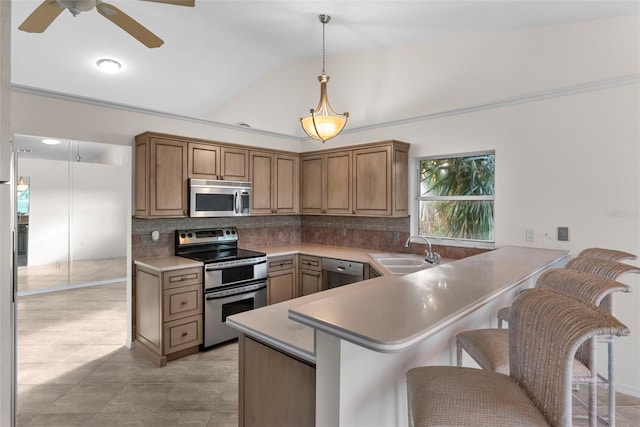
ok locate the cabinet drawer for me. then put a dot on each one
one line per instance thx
(281, 263)
(309, 262)
(182, 333)
(182, 302)
(183, 277)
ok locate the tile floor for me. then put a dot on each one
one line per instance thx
(73, 370)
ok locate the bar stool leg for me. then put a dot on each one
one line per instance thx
(611, 384)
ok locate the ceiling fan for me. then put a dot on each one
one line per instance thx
(43, 16)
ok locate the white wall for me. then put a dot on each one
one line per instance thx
(76, 204)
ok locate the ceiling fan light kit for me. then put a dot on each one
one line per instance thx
(48, 11)
(323, 123)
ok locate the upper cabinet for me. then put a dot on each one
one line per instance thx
(204, 161)
(209, 161)
(367, 180)
(161, 177)
(274, 178)
(234, 164)
(326, 183)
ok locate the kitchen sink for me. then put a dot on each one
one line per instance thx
(400, 264)
(411, 262)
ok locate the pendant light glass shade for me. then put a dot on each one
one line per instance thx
(21, 186)
(324, 123)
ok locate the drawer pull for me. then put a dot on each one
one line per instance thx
(184, 302)
(184, 334)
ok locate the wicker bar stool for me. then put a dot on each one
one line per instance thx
(546, 328)
(489, 347)
(607, 254)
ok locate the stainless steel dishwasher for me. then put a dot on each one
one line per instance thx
(338, 272)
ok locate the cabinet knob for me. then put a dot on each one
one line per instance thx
(183, 303)
(353, 212)
(281, 262)
(184, 334)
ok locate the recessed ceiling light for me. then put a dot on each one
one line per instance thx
(50, 141)
(108, 65)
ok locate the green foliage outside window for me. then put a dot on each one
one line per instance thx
(456, 197)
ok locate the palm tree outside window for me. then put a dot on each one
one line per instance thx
(456, 197)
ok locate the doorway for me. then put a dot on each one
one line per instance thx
(73, 213)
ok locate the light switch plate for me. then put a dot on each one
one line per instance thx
(530, 234)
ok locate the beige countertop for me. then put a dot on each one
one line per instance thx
(390, 313)
(167, 263)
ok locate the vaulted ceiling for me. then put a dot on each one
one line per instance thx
(217, 49)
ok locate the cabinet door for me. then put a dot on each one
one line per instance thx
(281, 286)
(310, 282)
(262, 177)
(234, 164)
(168, 177)
(311, 177)
(338, 183)
(286, 184)
(372, 181)
(204, 161)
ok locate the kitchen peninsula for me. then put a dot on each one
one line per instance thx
(339, 357)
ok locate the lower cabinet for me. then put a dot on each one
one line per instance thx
(310, 277)
(275, 389)
(282, 278)
(168, 312)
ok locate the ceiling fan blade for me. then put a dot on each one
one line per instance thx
(189, 3)
(129, 24)
(42, 17)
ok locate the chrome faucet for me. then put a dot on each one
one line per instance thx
(429, 256)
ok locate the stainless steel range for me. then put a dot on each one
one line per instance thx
(235, 280)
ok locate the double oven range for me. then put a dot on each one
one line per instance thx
(235, 280)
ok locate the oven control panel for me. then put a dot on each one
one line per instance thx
(216, 235)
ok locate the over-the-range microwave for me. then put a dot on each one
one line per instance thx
(211, 198)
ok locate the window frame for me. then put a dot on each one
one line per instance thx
(447, 241)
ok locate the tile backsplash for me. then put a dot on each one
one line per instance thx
(376, 234)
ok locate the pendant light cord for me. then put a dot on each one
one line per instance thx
(323, 24)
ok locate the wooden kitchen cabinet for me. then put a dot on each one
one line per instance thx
(168, 312)
(161, 177)
(234, 164)
(326, 183)
(274, 389)
(310, 276)
(274, 178)
(367, 180)
(204, 161)
(209, 161)
(281, 278)
(380, 180)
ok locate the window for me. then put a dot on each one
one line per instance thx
(456, 196)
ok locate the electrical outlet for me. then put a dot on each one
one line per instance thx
(563, 234)
(530, 234)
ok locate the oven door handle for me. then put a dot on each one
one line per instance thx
(223, 294)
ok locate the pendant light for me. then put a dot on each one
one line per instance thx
(324, 123)
(22, 185)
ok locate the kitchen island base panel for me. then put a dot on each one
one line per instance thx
(350, 394)
(275, 389)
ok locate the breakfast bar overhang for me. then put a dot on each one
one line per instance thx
(363, 338)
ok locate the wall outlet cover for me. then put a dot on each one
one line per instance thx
(563, 234)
